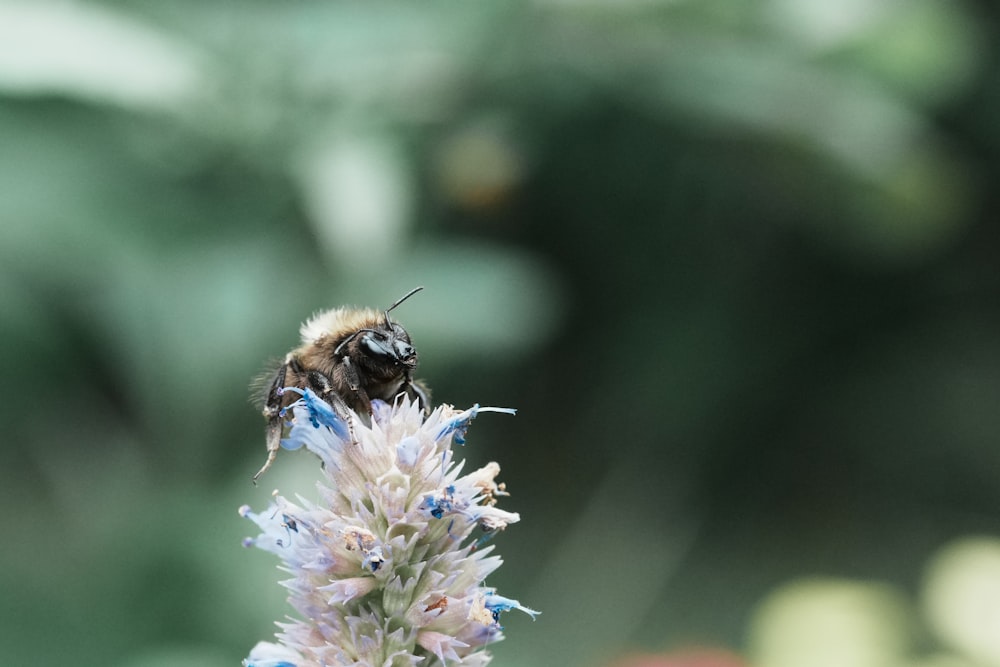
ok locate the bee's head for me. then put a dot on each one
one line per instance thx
(390, 343)
(386, 343)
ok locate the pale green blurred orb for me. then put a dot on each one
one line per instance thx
(962, 597)
(830, 623)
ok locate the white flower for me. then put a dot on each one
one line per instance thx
(387, 568)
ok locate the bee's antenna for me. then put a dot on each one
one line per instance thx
(348, 340)
(399, 301)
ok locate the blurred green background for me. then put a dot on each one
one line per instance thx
(735, 263)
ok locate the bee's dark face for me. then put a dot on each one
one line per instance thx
(389, 346)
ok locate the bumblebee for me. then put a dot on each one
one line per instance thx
(348, 357)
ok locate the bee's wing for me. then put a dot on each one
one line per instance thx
(263, 383)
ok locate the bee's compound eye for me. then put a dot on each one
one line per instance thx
(374, 346)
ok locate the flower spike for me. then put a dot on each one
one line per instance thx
(386, 568)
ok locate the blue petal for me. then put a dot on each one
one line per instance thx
(439, 503)
(498, 604)
(320, 411)
(320, 414)
(460, 424)
(266, 654)
(291, 444)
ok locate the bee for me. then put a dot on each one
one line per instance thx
(348, 357)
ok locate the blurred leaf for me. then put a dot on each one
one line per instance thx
(83, 50)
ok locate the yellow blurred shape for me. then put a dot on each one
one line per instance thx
(478, 165)
(830, 623)
(962, 597)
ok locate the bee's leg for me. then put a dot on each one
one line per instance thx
(354, 382)
(273, 443)
(418, 390)
(272, 413)
(321, 385)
